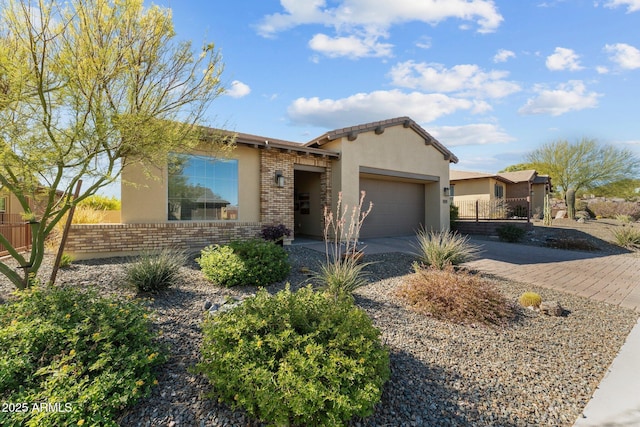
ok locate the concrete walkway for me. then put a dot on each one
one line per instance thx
(614, 279)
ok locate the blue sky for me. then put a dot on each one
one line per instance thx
(492, 80)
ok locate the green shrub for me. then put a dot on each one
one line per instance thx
(250, 262)
(93, 355)
(295, 358)
(342, 277)
(156, 270)
(510, 233)
(625, 219)
(627, 237)
(103, 203)
(454, 214)
(66, 260)
(459, 297)
(444, 248)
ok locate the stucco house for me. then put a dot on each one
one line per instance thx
(197, 199)
(516, 189)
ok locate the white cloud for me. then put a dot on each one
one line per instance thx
(563, 59)
(464, 80)
(380, 15)
(370, 20)
(378, 105)
(424, 42)
(238, 89)
(626, 56)
(351, 46)
(602, 70)
(474, 134)
(570, 96)
(503, 55)
(632, 5)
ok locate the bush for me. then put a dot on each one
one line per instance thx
(610, 209)
(295, 358)
(625, 219)
(251, 262)
(342, 277)
(66, 260)
(275, 233)
(156, 270)
(510, 233)
(64, 346)
(454, 214)
(455, 296)
(103, 203)
(627, 237)
(444, 248)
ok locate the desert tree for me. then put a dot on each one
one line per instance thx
(87, 86)
(583, 164)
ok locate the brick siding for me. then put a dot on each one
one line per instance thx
(276, 207)
(102, 240)
(276, 203)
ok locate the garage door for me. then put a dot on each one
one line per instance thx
(398, 207)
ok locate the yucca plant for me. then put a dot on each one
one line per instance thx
(341, 277)
(156, 270)
(342, 271)
(444, 248)
(627, 237)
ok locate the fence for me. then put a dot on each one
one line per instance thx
(494, 209)
(16, 231)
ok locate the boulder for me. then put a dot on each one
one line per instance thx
(551, 308)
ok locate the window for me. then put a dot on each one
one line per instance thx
(202, 188)
(499, 191)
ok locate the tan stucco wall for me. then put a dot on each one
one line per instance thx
(397, 149)
(146, 202)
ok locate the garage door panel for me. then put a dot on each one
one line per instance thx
(398, 207)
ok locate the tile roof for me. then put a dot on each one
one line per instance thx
(456, 175)
(378, 127)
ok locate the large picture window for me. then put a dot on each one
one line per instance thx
(202, 188)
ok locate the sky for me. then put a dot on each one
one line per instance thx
(491, 80)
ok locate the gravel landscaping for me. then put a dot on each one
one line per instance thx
(539, 370)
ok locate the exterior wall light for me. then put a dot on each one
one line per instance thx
(279, 179)
(446, 191)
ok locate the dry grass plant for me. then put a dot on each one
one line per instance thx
(456, 296)
(444, 248)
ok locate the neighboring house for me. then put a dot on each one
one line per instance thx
(198, 200)
(514, 188)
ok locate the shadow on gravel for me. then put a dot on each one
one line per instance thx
(421, 395)
(523, 254)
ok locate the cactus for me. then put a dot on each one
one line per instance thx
(530, 299)
(547, 210)
(570, 197)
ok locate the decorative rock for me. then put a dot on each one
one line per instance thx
(207, 305)
(552, 308)
(214, 308)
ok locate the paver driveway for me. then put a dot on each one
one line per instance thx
(614, 279)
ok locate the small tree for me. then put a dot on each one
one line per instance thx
(583, 164)
(85, 86)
